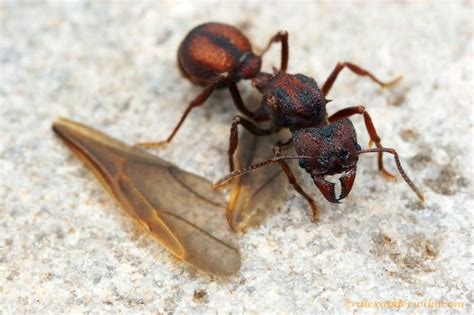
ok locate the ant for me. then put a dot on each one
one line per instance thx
(216, 55)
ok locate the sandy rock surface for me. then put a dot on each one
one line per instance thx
(65, 246)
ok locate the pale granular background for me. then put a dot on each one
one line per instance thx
(65, 246)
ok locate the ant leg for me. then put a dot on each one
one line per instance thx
(197, 101)
(278, 147)
(239, 103)
(234, 136)
(282, 37)
(357, 70)
(374, 138)
(292, 179)
(227, 178)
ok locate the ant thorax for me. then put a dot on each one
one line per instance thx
(295, 101)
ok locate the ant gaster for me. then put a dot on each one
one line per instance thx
(216, 55)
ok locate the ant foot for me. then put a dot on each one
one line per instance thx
(315, 214)
(231, 165)
(387, 174)
(390, 84)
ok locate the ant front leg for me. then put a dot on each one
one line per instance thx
(234, 136)
(374, 138)
(357, 70)
(292, 179)
(282, 37)
(196, 102)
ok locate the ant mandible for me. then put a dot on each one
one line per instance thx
(216, 55)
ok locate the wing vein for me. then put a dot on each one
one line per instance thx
(191, 190)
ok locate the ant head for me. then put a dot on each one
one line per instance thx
(249, 67)
(333, 150)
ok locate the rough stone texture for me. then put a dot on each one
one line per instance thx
(65, 246)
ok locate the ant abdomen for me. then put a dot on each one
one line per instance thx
(211, 49)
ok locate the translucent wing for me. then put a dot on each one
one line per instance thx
(255, 195)
(181, 210)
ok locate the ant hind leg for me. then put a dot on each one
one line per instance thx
(282, 37)
(239, 103)
(196, 102)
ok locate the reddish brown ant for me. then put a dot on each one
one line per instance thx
(216, 55)
(325, 145)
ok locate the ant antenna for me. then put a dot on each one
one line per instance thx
(222, 181)
(399, 166)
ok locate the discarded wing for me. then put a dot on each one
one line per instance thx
(256, 195)
(181, 210)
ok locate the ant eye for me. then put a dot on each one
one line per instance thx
(302, 163)
(323, 161)
(344, 154)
